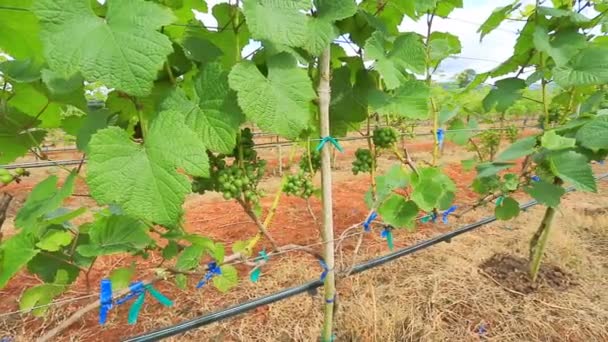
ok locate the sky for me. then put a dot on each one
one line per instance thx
(462, 22)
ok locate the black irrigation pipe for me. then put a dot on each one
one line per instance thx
(51, 163)
(310, 286)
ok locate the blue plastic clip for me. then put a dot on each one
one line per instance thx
(388, 235)
(257, 272)
(105, 300)
(429, 217)
(213, 269)
(368, 221)
(536, 178)
(440, 137)
(331, 140)
(135, 289)
(325, 269)
(331, 300)
(444, 216)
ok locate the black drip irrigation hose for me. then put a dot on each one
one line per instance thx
(310, 286)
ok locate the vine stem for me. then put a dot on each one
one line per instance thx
(326, 180)
(539, 242)
(372, 149)
(406, 160)
(434, 112)
(5, 200)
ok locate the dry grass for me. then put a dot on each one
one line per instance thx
(440, 295)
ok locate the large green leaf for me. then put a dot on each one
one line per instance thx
(496, 18)
(594, 135)
(508, 209)
(54, 239)
(432, 189)
(39, 297)
(321, 30)
(442, 45)
(93, 122)
(588, 67)
(121, 277)
(349, 101)
(227, 280)
(394, 178)
(15, 253)
(124, 50)
(47, 267)
(19, 32)
(211, 110)
(279, 103)
(518, 149)
(398, 212)
(115, 234)
(552, 141)
(16, 138)
(206, 45)
(491, 169)
(546, 193)
(562, 46)
(190, 257)
(504, 95)
(407, 53)
(279, 21)
(44, 198)
(410, 100)
(573, 167)
(144, 179)
(573, 16)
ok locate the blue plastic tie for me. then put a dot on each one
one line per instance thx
(429, 217)
(444, 216)
(602, 162)
(325, 269)
(213, 269)
(331, 140)
(331, 300)
(257, 272)
(440, 137)
(388, 235)
(135, 289)
(367, 223)
(536, 178)
(105, 300)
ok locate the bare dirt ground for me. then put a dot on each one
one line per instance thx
(451, 292)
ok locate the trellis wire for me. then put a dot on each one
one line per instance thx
(287, 143)
(310, 286)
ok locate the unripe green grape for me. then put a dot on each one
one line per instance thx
(6, 178)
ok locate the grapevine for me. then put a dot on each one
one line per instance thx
(176, 103)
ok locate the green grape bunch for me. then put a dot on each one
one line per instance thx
(363, 162)
(315, 160)
(6, 177)
(511, 133)
(299, 185)
(241, 178)
(384, 137)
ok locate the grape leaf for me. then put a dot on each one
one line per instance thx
(54, 239)
(399, 212)
(20, 70)
(459, 132)
(321, 29)
(573, 16)
(349, 101)
(546, 193)
(122, 50)
(508, 209)
(19, 32)
(38, 297)
(407, 53)
(588, 67)
(395, 177)
(47, 267)
(143, 179)
(211, 111)
(15, 138)
(190, 257)
(594, 134)
(227, 280)
(280, 21)
(562, 46)
(115, 234)
(505, 94)
(205, 45)
(497, 17)
(432, 189)
(574, 168)
(520, 148)
(121, 277)
(279, 103)
(44, 198)
(442, 45)
(410, 100)
(490, 169)
(552, 141)
(15, 252)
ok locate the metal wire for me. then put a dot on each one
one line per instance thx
(286, 143)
